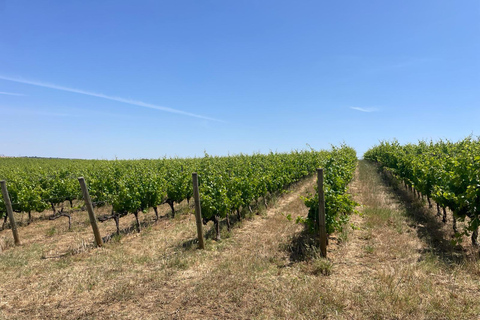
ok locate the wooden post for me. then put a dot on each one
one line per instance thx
(322, 231)
(198, 211)
(8, 205)
(91, 214)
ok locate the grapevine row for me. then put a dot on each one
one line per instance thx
(447, 172)
(339, 169)
(227, 184)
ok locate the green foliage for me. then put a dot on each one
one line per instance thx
(132, 186)
(445, 171)
(339, 168)
(228, 183)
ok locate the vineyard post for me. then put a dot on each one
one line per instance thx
(198, 211)
(91, 214)
(8, 204)
(321, 214)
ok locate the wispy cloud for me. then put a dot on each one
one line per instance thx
(364, 109)
(12, 94)
(104, 96)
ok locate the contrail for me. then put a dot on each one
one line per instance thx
(104, 96)
(12, 94)
(364, 109)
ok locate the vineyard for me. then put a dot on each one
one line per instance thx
(226, 184)
(446, 172)
(263, 258)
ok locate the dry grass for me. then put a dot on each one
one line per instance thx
(393, 271)
(383, 268)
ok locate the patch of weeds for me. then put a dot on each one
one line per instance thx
(369, 249)
(258, 265)
(262, 211)
(398, 226)
(146, 231)
(377, 216)
(360, 213)
(6, 243)
(249, 215)
(473, 267)
(288, 216)
(91, 285)
(322, 266)
(273, 201)
(119, 292)
(180, 215)
(210, 244)
(79, 288)
(77, 228)
(429, 260)
(216, 245)
(63, 263)
(279, 263)
(178, 262)
(142, 259)
(12, 261)
(51, 232)
(21, 258)
(116, 238)
(367, 235)
(225, 234)
(222, 244)
(343, 236)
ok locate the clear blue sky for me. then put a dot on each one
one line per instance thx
(144, 79)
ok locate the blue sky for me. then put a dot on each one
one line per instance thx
(145, 79)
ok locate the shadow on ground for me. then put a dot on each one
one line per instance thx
(429, 227)
(303, 246)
